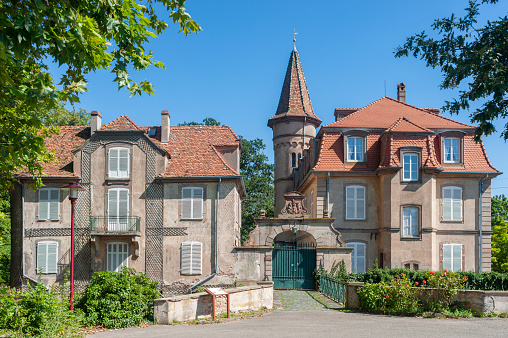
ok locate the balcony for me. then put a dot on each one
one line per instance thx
(115, 225)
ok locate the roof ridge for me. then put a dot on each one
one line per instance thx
(354, 113)
(403, 118)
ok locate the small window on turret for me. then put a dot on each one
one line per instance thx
(293, 160)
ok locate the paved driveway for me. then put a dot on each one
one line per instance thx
(307, 321)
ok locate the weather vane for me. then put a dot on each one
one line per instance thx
(294, 38)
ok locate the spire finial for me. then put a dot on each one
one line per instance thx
(294, 38)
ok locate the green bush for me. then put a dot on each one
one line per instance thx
(37, 312)
(118, 299)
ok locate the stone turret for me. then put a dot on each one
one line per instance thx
(294, 125)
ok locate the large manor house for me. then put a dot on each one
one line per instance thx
(389, 183)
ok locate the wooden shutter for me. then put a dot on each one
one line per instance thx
(52, 257)
(360, 202)
(457, 203)
(123, 162)
(41, 257)
(447, 203)
(192, 202)
(447, 256)
(457, 257)
(191, 258)
(43, 203)
(360, 257)
(196, 258)
(350, 203)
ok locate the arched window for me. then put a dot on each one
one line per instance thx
(293, 160)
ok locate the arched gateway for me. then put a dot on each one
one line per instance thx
(287, 249)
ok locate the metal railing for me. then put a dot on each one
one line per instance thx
(333, 288)
(105, 224)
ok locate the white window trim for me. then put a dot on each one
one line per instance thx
(43, 266)
(191, 258)
(459, 150)
(355, 258)
(451, 266)
(452, 204)
(117, 173)
(411, 225)
(411, 178)
(191, 200)
(358, 156)
(355, 202)
(50, 203)
(118, 255)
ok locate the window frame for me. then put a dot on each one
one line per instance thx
(451, 266)
(356, 218)
(109, 254)
(452, 201)
(46, 257)
(109, 161)
(418, 218)
(354, 255)
(47, 217)
(459, 149)
(355, 153)
(192, 200)
(195, 266)
(118, 225)
(417, 173)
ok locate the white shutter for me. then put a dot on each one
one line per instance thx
(123, 165)
(197, 203)
(186, 202)
(350, 203)
(457, 257)
(196, 258)
(52, 257)
(447, 203)
(186, 256)
(360, 202)
(447, 256)
(357, 256)
(43, 203)
(123, 209)
(113, 162)
(117, 256)
(41, 257)
(54, 203)
(457, 203)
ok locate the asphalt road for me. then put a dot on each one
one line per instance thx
(328, 323)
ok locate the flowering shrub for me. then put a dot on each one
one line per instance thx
(446, 284)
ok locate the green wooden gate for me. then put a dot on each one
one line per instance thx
(293, 265)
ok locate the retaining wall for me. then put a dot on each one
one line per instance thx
(199, 305)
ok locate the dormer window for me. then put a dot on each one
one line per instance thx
(451, 150)
(410, 166)
(355, 149)
(118, 162)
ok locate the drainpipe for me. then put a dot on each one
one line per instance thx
(480, 220)
(23, 234)
(328, 194)
(216, 269)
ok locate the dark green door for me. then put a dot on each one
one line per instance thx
(293, 266)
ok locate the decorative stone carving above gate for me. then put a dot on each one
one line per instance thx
(294, 206)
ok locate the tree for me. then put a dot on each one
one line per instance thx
(207, 121)
(61, 116)
(500, 233)
(468, 54)
(81, 37)
(258, 178)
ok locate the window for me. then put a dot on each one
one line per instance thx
(117, 256)
(293, 160)
(355, 202)
(452, 204)
(191, 258)
(452, 257)
(118, 162)
(192, 203)
(410, 166)
(410, 222)
(451, 150)
(49, 203)
(47, 255)
(355, 149)
(118, 209)
(357, 256)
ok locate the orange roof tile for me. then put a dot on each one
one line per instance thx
(123, 123)
(403, 124)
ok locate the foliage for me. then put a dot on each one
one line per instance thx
(499, 245)
(446, 284)
(80, 37)
(499, 207)
(468, 54)
(61, 116)
(5, 238)
(37, 312)
(338, 271)
(258, 178)
(207, 121)
(118, 299)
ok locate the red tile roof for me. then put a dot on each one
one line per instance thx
(193, 150)
(384, 112)
(403, 124)
(294, 98)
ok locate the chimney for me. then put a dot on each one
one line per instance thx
(96, 121)
(165, 127)
(401, 92)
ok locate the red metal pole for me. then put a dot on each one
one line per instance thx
(73, 201)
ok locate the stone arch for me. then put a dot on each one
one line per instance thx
(301, 237)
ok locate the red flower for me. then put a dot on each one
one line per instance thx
(398, 277)
(445, 270)
(424, 281)
(432, 272)
(387, 296)
(444, 273)
(465, 278)
(416, 283)
(382, 286)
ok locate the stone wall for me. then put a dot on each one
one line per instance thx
(199, 305)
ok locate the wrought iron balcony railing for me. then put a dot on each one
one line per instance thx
(105, 224)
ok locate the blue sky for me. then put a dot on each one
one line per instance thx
(233, 70)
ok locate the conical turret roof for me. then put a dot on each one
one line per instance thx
(294, 100)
